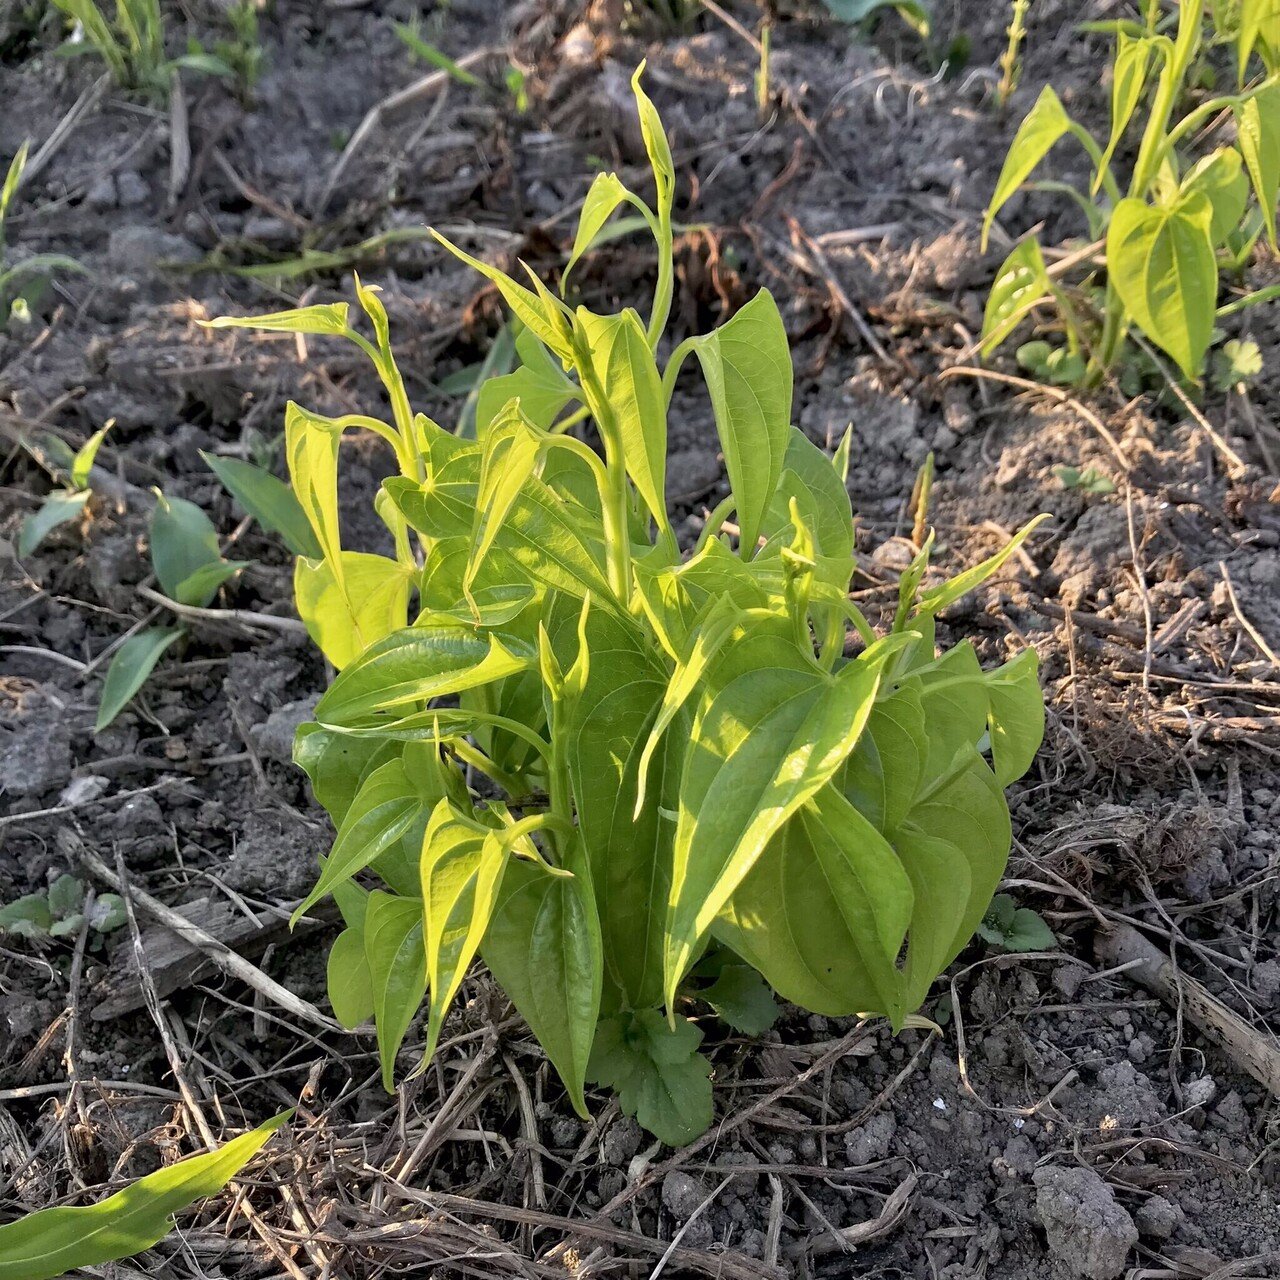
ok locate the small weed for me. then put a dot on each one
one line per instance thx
(68, 502)
(22, 283)
(1090, 480)
(1168, 223)
(190, 569)
(1014, 928)
(132, 45)
(59, 912)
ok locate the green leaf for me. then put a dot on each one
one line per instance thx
(1222, 178)
(429, 53)
(742, 1000)
(85, 456)
(51, 1242)
(268, 500)
(628, 375)
(1021, 284)
(200, 587)
(1258, 131)
(1029, 932)
(660, 1077)
(510, 449)
(183, 541)
(1044, 125)
(935, 600)
(747, 366)
(323, 318)
(970, 813)
(870, 885)
(913, 12)
(771, 730)
(132, 664)
(383, 809)
(66, 895)
(461, 871)
(410, 666)
(12, 177)
(538, 311)
(1016, 716)
(1161, 261)
(604, 196)
(810, 481)
(539, 384)
(27, 917)
(337, 764)
(942, 881)
(349, 979)
(398, 967)
(657, 148)
(344, 619)
(629, 851)
(1128, 78)
(784, 919)
(58, 508)
(311, 447)
(882, 774)
(544, 948)
(108, 913)
(551, 540)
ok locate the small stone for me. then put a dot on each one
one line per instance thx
(102, 193)
(871, 1141)
(621, 1141)
(1158, 1218)
(131, 189)
(1020, 1154)
(1087, 1231)
(1199, 1092)
(140, 250)
(274, 737)
(1266, 981)
(81, 790)
(682, 1194)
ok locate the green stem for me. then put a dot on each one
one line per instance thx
(715, 521)
(1249, 300)
(672, 371)
(617, 535)
(1190, 19)
(1089, 143)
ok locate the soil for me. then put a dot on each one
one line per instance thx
(1066, 1121)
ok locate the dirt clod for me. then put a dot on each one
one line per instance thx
(1088, 1233)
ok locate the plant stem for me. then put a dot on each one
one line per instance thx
(1010, 62)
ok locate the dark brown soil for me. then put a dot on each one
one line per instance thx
(1062, 1104)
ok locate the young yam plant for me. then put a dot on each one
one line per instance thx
(628, 779)
(1169, 222)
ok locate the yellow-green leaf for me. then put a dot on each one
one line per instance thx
(1161, 262)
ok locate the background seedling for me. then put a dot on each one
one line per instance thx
(67, 503)
(52, 1242)
(60, 912)
(1013, 928)
(677, 755)
(132, 44)
(190, 570)
(22, 283)
(1090, 480)
(1168, 227)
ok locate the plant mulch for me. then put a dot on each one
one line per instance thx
(1109, 1104)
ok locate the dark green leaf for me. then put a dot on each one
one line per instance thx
(660, 1077)
(58, 508)
(132, 664)
(51, 1242)
(268, 500)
